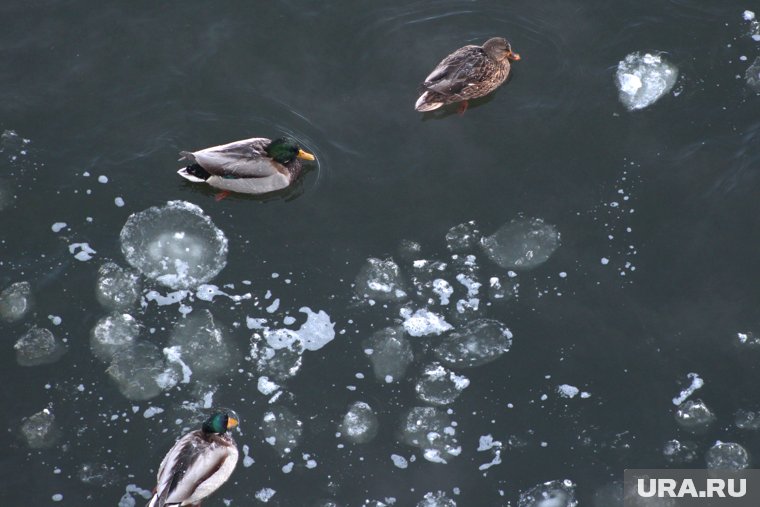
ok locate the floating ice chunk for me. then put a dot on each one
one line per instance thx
(696, 383)
(752, 75)
(38, 346)
(748, 15)
(177, 245)
(676, 451)
(360, 423)
(694, 416)
(747, 419)
(202, 345)
(207, 292)
(399, 461)
(748, 339)
(266, 386)
(81, 251)
(380, 280)
(315, 333)
(265, 494)
(568, 391)
(549, 494)
(463, 237)
(282, 430)
(15, 301)
(487, 443)
(40, 430)
(479, 342)
(437, 499)
(140, 372)
(431, 430)
(727, 456)
(440, 386)
(390, 353)
(278, 365)
(523, 243)
(443, 290)
(409, 250)
(423, 322)
(112, 334)
(117, 288)
(58, 226)
(152, 411)
(642, 78)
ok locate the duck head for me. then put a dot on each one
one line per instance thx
(285, 149)
(219, 422)
(499, 48)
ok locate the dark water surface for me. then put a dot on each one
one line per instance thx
(118, 88)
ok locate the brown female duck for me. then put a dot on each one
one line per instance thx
(467, 73)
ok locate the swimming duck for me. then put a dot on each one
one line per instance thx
(251, 166)
(467, 73)
(198, 464)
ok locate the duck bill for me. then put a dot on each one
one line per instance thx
(513, 56)
(306, 155)
(231, 422)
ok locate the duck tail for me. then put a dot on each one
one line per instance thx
(186, 155)
(194, 173)
(427, 102)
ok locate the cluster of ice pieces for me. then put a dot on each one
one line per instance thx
(117, 288)
(643, 78)
(176, 245)
(431, 430)
(40, 430)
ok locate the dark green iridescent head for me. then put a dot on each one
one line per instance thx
(219, 422)
(285, 149)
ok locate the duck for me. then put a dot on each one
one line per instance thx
(198, 464)
(467, 73)
(252, 166)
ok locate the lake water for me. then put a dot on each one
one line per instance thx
(655, 276)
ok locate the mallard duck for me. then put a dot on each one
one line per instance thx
(251, 166)
(198, 464)
(467, 73)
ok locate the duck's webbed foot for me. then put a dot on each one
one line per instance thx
(218, 197)
(462, 107)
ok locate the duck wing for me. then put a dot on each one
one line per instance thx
(193, 469)
(461, 68)
(240, 159)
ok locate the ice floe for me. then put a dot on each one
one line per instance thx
(202, 345)
(431, 430)
(727, 456)
(380, 280)
(38, 346)
(643, 78)
(177, 245)
(522, 244)
(140, 371)
(438, 385)
(282, 430)
(15, 301)
(550, 494)
(390, 354)
(478, 342)
(360, 423)
(117, 288)
(694, 416)
(40, 430)
(113, 333)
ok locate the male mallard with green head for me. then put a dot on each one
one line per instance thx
(467, 73)
(251, 166)
(198, 464)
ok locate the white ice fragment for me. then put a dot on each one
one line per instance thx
(58, 226)
(265, 494)
(151, 411)
(274, 306)
(643, 78)
(696, 383)
(523, 243)
(399, 461)
(83, 251)
(423, 322)
(568, 391)
(748, 15)
(102, 179)
(247, 460)
(119, 202)
(266, 386)
(443, 290)
(605, 261)
(174, 355)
